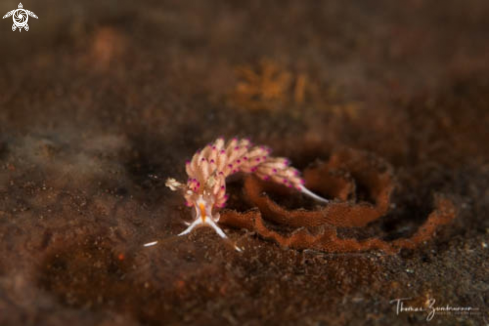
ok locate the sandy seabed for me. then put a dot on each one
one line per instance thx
(101, 102)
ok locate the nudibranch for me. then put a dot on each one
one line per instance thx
(205, 189)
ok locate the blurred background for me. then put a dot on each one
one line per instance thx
(101, 101)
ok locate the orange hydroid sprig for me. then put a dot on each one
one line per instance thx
(205, 189)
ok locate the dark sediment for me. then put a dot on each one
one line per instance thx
(101, 102)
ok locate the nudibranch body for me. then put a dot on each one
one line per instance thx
(205, 189)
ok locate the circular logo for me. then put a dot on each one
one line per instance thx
(20, 18)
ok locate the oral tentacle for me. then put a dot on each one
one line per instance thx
(210, 221)
(221, 233)
(216, 228)
(192, 226)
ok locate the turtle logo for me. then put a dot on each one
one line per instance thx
(20, 17)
